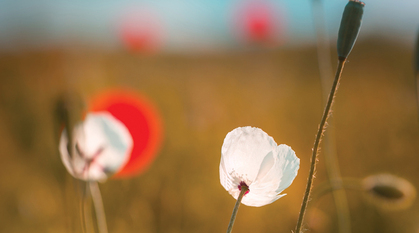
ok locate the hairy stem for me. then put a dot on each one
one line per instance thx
(330, 155)
(317, 141)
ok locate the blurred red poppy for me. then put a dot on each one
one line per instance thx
(259, 22)
(141, 31)
(143, 122)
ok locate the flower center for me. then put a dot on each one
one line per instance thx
(243, 185)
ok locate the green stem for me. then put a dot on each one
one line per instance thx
(317, 141)
(243, 191)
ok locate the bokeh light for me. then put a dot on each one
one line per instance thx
(259, 22)
(141, 30)
(143, 122)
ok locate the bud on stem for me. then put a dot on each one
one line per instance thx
(349, 28)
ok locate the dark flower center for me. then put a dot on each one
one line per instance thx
(243, 184)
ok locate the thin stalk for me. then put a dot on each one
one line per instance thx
(339, 195)
(417, 90)
(323, 49)
(98, 204)
(317, 141)
(345, 183)
(244, 189)
(330, 155)
(85, 221)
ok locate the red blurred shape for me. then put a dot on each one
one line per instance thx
(259, 22)
(141, 31)
(143, 122)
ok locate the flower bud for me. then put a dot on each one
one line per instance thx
(389, 192)
(349, 27)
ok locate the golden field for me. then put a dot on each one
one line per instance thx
(202, 97)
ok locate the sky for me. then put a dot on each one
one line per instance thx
(180, 25)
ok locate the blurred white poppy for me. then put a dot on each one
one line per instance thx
(250, 157)
(102, 146)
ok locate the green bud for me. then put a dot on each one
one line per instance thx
(349, 27)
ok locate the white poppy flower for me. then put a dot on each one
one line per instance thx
(250, 157)
(102, 146)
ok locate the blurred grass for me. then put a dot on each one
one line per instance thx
(201, 99)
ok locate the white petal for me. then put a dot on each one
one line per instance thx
(244, 149)
(249, 155)
(100, 136)
(266, 166)
(267, 189)
(65, 156)
(254, 200)
(290, 166)
(225, 179)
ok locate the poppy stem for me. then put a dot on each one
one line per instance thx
(320, 132)
(83, 203)
(99, 209)
(243, 191)
(330, 154)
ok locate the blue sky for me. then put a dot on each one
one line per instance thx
(187, 24)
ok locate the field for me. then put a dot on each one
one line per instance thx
(201, 98)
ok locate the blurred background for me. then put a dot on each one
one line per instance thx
(209, 67)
